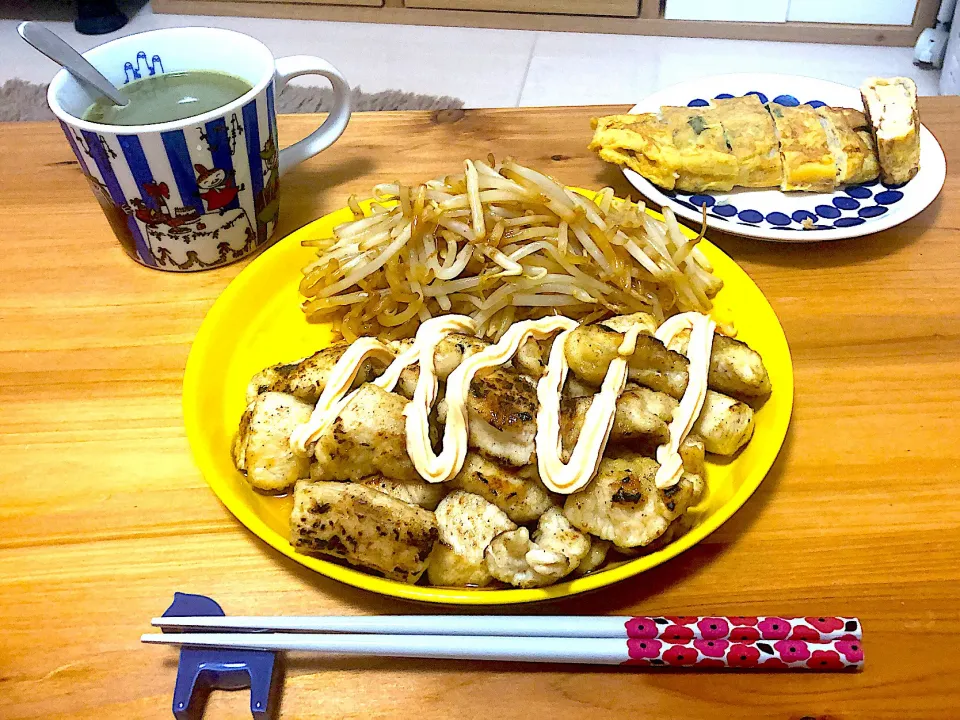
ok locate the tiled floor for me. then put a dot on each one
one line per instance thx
(496, 68)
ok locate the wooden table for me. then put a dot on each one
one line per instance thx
(103, 515)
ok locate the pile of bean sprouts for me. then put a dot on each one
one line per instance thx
(500, 243)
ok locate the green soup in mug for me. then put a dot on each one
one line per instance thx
(169, 96)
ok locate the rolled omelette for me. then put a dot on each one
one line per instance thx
(706, 161)
(740, 142)
(639, 142)
(808, 163)
(750, 132)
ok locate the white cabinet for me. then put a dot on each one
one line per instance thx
(855, 12)
(730, 10)
(863, 12)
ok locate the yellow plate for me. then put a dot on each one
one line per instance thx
(257, 322)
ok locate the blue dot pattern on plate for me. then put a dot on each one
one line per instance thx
(889, 197)
(850, 206)
(845, 203)
(859, 191)
(725, 211)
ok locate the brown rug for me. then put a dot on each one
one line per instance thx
(21, 101)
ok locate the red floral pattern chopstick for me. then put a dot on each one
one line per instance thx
(780, 643)
(773, 642)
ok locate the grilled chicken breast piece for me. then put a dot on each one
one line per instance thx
(261, 449)
(622, 323)
(633, 423)
(518, 492)
(306, 379)
(448, 569)
(369, 437)
(574, 387)
(595, 558)
(467, 523)
(413, 492)
(502, 410)
(693, 454)
(735, 368)
(555, 550)
(590, 349)
(679, 527)
(269, 379)
(452, 350)
(658, 403)
(530, 359)
(363, 526)
(724, 425)
(623, 505)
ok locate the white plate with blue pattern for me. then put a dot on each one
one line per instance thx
(849, 211)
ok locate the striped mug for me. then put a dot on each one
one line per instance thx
(201, 192)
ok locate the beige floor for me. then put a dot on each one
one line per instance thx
(503, 68)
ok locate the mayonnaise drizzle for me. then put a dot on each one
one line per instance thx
(698, 353)
(586, 455)
(440, 468)
(434, 468)
(554, 473)
(332, 399)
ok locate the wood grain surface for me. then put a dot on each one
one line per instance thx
(103, 515)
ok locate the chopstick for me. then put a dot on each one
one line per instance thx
(825, 643)
(831, 655)
(570, 626)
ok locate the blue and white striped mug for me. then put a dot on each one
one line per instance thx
(201, 192)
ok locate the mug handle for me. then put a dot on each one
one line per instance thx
(324, 136)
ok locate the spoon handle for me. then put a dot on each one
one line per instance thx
(55, 48)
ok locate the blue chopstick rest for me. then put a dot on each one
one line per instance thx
(204, 669)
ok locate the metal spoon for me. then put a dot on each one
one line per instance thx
(55, 48)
